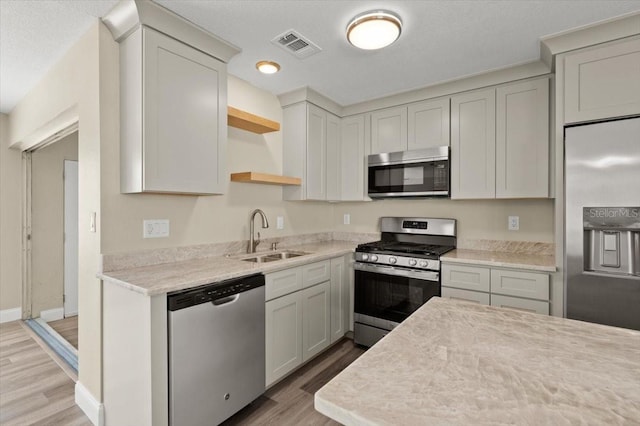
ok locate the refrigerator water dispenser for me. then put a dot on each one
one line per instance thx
(612, 240)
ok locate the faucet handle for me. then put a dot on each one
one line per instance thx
(274, 246)
(257, 241)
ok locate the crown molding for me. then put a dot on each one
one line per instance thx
(627, 25)
(128, 15)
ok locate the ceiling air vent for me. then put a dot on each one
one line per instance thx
(296, 44)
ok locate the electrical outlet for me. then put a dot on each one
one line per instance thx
(155, 228)
(279, 222)
(514, 223)
(347, 219)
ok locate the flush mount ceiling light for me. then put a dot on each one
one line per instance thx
(268, 67)
(374, 29)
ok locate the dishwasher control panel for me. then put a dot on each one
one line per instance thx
(212, 292)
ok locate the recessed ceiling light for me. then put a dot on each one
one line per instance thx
(374, 29)
(268, 67)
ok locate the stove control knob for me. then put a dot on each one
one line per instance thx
(412, 262)
(393, 260)
(423, 263)
(365, 256)
(373, 258)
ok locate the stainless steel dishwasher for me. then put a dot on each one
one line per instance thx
(216, 350)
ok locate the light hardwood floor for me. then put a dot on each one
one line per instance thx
(34, 390)
(67, 328)
(290, 402)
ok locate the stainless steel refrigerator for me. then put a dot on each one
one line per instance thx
(602, 223)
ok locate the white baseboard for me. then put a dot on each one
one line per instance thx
(52, 314)
(91, 407)
(13, 314)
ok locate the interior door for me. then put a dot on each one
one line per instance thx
(70, 238)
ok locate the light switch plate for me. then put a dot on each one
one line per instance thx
(279, 222)
(92, 222)
(514, 223)
(155, 228)
(347, 219)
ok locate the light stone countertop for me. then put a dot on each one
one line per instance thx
(169, 277)
(533, 262)
(460, 363)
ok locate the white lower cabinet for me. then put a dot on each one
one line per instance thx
(467, 295)
(306, 310)
(339, 297)
(520, 304)
(283, 335)
(507, 288)
(316, 319)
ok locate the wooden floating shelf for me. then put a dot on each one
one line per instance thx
(253, 177)
(250, 122)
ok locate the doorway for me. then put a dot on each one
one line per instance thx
(70, 293)
(52, 262)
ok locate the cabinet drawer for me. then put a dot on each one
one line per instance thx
(283, 282)
(520, 284)
(466, 277)
(316, 273)
(467, 295)
(520, 304)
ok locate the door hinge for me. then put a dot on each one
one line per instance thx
(64, 298)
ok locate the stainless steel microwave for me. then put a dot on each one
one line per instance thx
(417, 173)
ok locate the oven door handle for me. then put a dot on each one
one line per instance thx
(390, 270)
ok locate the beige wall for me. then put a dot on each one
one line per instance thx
(10, 221)
(216, 218)
(47, 223)
(73, 86)
(477, 219)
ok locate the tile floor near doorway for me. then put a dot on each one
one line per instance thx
(34, 390)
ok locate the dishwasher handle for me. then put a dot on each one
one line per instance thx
(225, 300)
(218, 293)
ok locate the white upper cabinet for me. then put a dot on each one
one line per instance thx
(308, 131)
(407, 127)
(473, 144)
(389, 130)
(334, 159)
(352, 167)
(428, 124)
(602, 82)
(522, 140)
(314, 150)
(500, 142)
(316, 176)
(173, 117)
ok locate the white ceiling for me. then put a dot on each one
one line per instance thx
(441, 39)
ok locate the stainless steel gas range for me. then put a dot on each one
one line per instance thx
(399, 273)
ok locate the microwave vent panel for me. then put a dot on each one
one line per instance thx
(296, 44)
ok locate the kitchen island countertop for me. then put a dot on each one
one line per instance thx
(168, 277)
(455, 362)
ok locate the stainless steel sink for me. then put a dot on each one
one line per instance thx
(272, 257)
